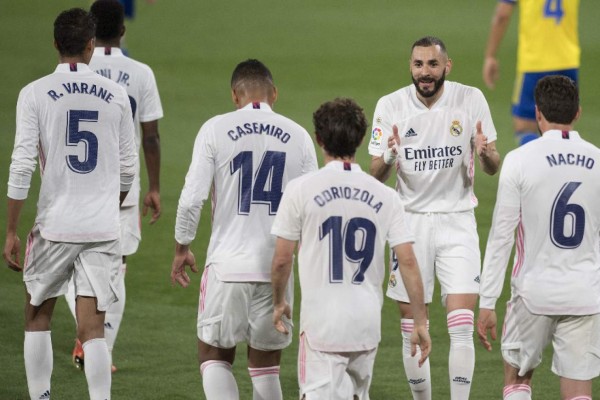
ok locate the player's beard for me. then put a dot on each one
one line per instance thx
(437, 85)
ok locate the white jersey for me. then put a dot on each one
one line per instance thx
(436, 158)
(79, 124)
(249, 155)
(549, 188)
(139, 82)
(343, 218)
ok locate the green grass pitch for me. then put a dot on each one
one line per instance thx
(317, 50)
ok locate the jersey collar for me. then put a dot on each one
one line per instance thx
(343, 166)
(108, 51)
(255, 105)
(79, 67)
(556, 134)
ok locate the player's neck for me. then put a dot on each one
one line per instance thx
(328, 158)
(72, 60)
(108, 43)
(558, 127)
(430, 101)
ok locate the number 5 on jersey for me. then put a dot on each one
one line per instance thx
(75, 136)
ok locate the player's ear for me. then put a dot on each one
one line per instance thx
(578, 115)
(123, 29)
(235, 98)
(538, 114)
(448, 66)
(56, 45)
(274, 95)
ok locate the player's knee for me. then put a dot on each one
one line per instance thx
(460, 327)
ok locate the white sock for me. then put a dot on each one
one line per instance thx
(461, 362)
(517, 392)
(114, 313)
(265, 382)
(218, 381)
(97, 369)
(419, 379)
(37, 351)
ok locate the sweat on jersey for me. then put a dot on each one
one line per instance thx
(436, 154)
(549, 191)
(80, 127)
(343, 217)
(139, 82)
(247, 156)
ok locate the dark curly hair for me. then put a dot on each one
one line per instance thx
(73, 29)
(110, 18)
(557, 98)
(340, 126)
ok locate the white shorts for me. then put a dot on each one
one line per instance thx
(131, 232)
(49, 266)
(575, 339)
(332, 376)
(235, 312)
(446, 245)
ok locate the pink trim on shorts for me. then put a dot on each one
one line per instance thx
(520, 248)
(511, 389)
(508, 311)
(302, 359)
(203, 284)
(256, 372)
(460, 319)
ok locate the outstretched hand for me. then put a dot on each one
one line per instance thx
(178, 273)
(390, 155)
(486, 322)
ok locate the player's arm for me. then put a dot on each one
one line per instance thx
(12, 245)
(151, 146)
(411, 276)
(489, 158)
(499, 24)
(506, 217)
(127, 149)
(281, 269)
(381, 166)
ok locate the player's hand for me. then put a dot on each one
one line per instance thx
(391, 153)
(481, 141)
(280, 310)
(12, 251)
(491, 71)
(152, 200)
(420, 337)
(486, 322)
(183, 257)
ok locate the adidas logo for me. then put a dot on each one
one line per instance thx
(46, 395)
(410, 133)
(476, 279)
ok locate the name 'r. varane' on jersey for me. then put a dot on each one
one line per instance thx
(432, 158)
(347, 193)
(257, 128)
(82, 88)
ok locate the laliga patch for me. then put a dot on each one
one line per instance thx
(376, 136)
(456, 128)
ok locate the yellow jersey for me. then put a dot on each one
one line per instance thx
(548, 35)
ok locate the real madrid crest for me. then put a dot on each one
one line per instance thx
(456, 128)
(392, 283)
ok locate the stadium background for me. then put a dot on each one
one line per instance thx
(317, 50)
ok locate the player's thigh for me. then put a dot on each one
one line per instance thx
(96, 271)
(576, 345)
(223, 312)
(322, 375)
(525, 336)
(262, 333)
(48, 266)
(423, 227)
(131, 232)
(360, 371)
(458, 258)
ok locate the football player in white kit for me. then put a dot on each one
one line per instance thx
(344, 217)
(431, 132)
(247, 157)
(140, 84)
(548, 192)
(80, 127)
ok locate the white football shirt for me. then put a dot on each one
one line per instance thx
(139, 82)
(343, 218)
(436, 158)
(79, 124)
(548, 191)
(248, 156)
